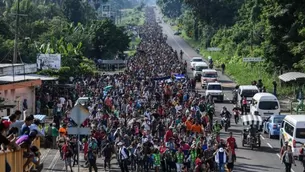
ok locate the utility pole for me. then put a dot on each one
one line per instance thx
(15, 55)
(16, 34)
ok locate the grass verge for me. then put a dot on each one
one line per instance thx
(132, 17)
(242, 73)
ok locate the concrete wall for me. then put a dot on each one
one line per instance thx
(17, 96)
(18, 69)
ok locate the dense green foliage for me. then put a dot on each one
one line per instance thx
(273, 30)
(170, 8)
(69, 27)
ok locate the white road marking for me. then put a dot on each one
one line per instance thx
(278, 155)
(263, 137)
(269, 145)
(54, 161)
(45, 155)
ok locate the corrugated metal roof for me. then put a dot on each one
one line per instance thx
(16, 78)
(291, 76)
(114, 61)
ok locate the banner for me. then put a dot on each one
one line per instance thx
(48, 61)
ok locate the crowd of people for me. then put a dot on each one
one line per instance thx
(147, 117)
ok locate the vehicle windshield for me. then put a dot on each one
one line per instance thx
(278, 120)
(200, 68)
(197, 60)
(214, 87)
(248, 93)
(210, 75)
(300, 133)
(82, 101)
(268, 105)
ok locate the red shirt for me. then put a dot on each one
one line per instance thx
(162, 149)
(231, 141)
(186, 147)
(168, 135)
(86, 145)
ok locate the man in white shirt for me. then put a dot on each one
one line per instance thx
(123, 157)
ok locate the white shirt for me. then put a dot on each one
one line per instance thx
(62, 100)
(146, 125)
(123, 154)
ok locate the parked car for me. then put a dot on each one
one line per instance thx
(177, 33)
(272, 125)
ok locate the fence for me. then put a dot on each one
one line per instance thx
(15, 159)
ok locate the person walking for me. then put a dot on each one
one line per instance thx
(302, 156)
(156, 160)
(180, 158)
(244, 106)
(288, 159)
(107, 152)
(221, 159)
(92, 154)
(231, 159)
(223, 68)
(123, 157)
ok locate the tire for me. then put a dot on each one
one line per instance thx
(269, 135)
(221, 99)
(242, 140)
(264, 130)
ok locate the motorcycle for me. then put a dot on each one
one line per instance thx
(225, 123)
(236, 114)
(211, 65)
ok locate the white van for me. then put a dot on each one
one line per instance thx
(293, 131)
(197, 69)
(208, 75)
(247, 91)
(265, 105)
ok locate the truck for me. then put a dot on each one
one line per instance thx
(214, 89)
(208, 75)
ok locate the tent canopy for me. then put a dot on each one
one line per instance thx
(291, 76)
(252, 120)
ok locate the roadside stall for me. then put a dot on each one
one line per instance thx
(297, 79)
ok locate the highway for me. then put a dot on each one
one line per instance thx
(264, 159)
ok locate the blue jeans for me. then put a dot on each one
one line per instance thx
(221, 167)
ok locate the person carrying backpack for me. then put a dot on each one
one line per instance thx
(67, 154)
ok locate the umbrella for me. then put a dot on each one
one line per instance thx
(107, 88)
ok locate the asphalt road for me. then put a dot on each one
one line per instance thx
(263, 159)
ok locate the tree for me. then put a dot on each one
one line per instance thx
(107, 39)
(170, 8)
